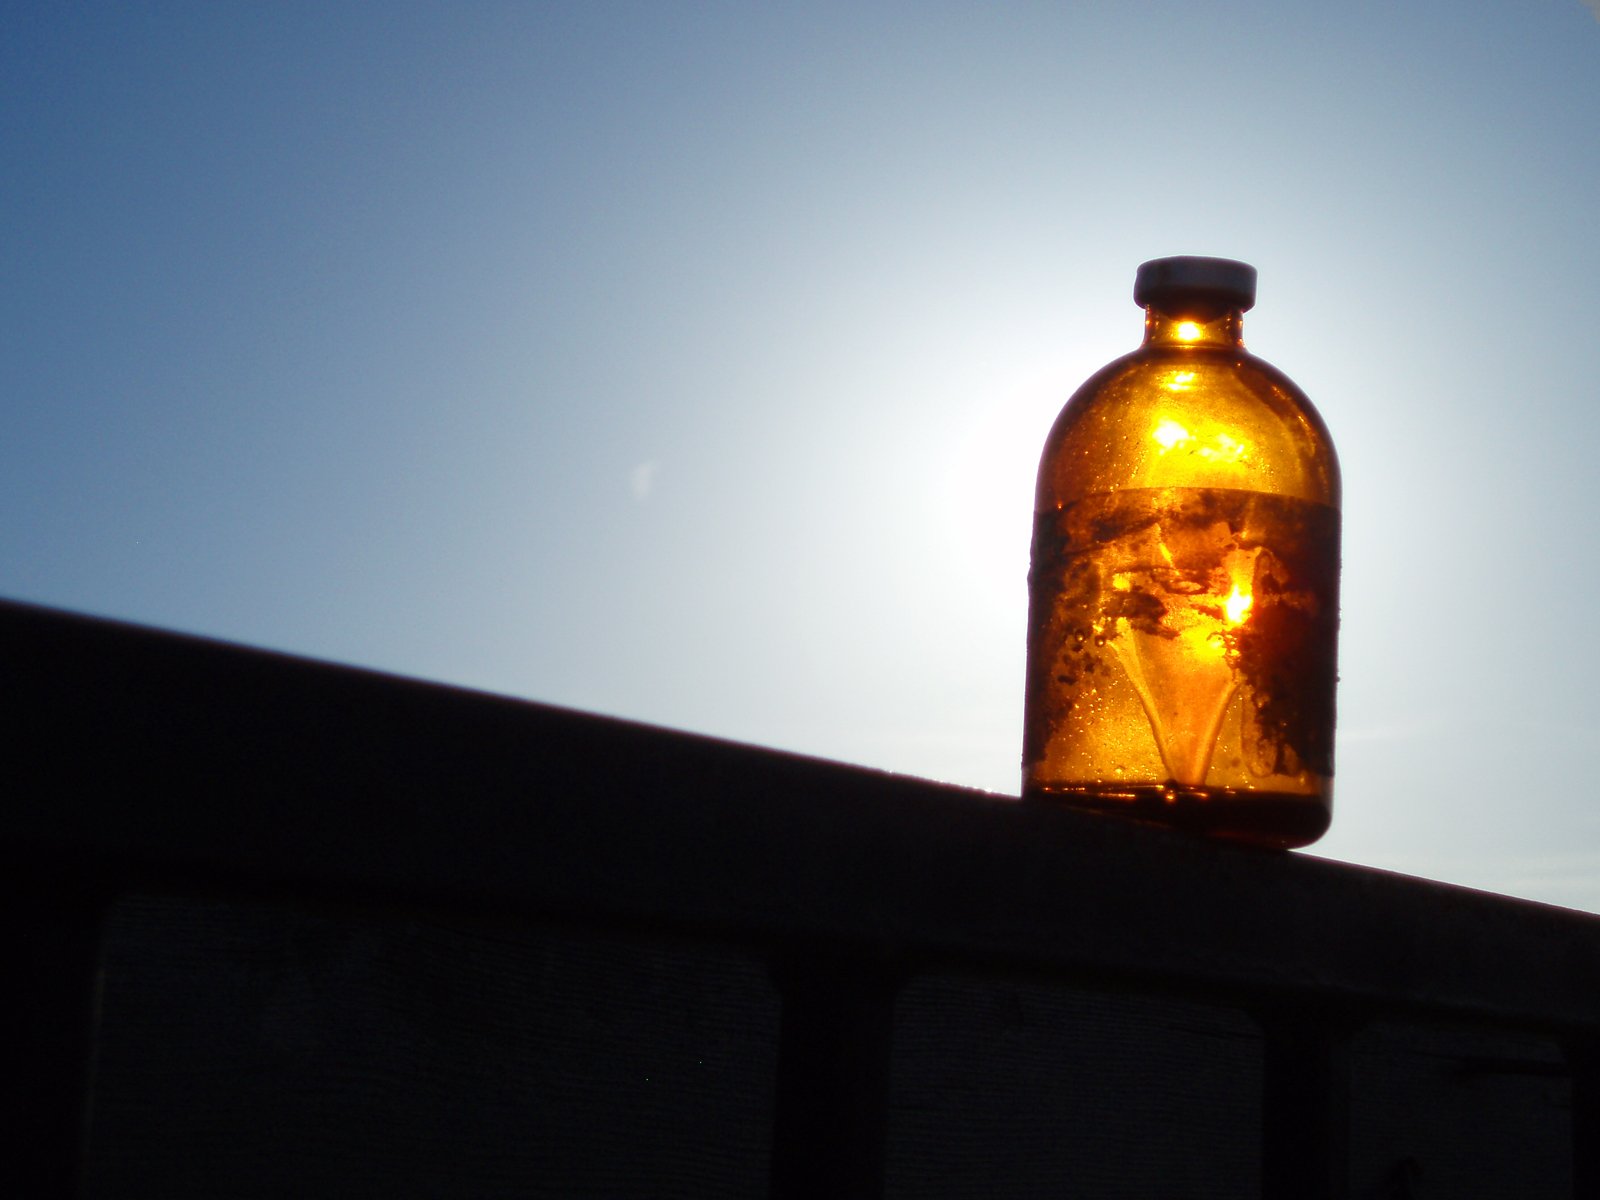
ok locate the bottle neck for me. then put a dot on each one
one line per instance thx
(1194, 329)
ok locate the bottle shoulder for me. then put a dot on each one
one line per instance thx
(1170, 417)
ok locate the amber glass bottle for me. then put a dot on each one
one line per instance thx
(1183, 596)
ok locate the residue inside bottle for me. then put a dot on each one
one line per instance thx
(1190, 640)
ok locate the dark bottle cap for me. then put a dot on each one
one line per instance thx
(1187, 278)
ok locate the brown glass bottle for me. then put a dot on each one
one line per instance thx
(1183, 594)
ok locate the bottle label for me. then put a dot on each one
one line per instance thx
(1190, 632)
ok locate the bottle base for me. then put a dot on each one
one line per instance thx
(1276, 820)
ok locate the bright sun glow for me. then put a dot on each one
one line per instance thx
(1237, 606)
(1188, 331)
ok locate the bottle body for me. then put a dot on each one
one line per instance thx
(1183, 591)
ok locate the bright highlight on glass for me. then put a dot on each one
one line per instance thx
(1184, 587)
(1169, 434)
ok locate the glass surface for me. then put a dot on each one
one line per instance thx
(1183, 611)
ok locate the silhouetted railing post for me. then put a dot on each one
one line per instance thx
(1583, 1056)
(831, 1116)
(50, 943)
(1305, 1127)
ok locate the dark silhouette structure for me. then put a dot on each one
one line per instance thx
(275, 927)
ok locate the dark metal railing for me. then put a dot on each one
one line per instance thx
(138, 760)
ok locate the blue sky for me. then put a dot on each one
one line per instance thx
(690, 362)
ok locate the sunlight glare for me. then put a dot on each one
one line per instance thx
(1217, 446)
(1237, 606)
(1169, 434)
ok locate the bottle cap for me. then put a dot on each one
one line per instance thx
(1189, 277)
